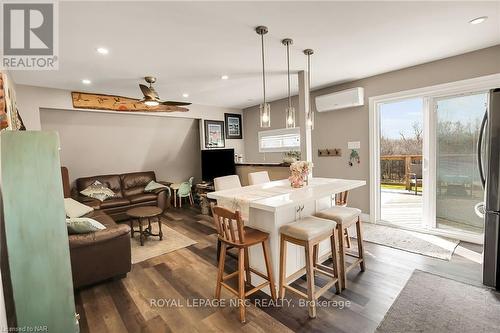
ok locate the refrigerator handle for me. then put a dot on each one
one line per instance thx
(479, 148)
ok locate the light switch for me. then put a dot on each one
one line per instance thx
(353, 145)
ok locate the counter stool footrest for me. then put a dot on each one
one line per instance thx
(262, 275)
(351, 254)
(354, 264)
(231, 289)
(296, 291)
(260, 286)
(229, 276)
(320, 271)
(295, 275)
(326, 287)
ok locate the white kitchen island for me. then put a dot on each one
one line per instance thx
(270, 205)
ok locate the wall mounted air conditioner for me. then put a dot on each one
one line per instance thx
(340, 100)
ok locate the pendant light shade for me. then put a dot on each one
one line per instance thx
(265, 108)
(290, 110)
(310, 113)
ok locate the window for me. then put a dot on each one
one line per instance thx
(280, 140)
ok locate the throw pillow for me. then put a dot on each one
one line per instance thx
(98, 191)
(74, 208)
(83, 225)
(152, 185)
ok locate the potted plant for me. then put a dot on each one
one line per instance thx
(291, 156)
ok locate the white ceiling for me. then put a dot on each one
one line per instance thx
(189, 45)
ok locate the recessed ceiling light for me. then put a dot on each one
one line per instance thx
(478, 20)
(86, 81)
(185, 95)
(224, 77)
(102, 50)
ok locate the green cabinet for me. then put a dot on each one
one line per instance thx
(35, 231)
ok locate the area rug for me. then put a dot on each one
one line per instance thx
(410, 241)
(153, 247)
(430, 303)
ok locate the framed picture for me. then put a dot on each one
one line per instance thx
(233, 126)
(214, 134)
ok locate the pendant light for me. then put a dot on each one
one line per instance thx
(290, 110)
(310, 113)
(265, 108)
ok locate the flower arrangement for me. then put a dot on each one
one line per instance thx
(299, 172)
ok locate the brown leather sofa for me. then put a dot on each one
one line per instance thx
(129, 189)
(100, 255)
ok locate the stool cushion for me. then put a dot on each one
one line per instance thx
(339, 214)
(309, 228)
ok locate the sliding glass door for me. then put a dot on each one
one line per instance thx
(426, 163)
(458, 187)
(401, 178)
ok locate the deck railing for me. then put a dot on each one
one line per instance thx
(395, 169)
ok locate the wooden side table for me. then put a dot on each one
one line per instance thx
(141, 214)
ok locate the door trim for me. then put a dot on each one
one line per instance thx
(428, 93)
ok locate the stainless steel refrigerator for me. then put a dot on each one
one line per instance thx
(489, 167)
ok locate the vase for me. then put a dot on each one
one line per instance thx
(296, 180)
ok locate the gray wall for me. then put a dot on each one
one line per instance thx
(335, 129)
(95, 143)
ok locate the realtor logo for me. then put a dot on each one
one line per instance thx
(29, 35)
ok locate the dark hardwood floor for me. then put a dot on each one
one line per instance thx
(176, 280)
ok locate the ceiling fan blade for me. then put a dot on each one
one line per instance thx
(145, 90)
(174, 103)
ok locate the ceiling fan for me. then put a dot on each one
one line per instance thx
(151, 97)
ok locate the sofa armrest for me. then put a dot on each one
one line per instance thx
(163, 197)
(93, 238)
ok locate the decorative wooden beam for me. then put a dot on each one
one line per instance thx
(83, 100)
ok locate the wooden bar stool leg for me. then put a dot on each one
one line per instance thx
(340, 236)
(241, 284)
(220, 273)
(269, 268)
(247, 267)
(361, 251)
(315, 254)
(310, 280)
(347, 239)
(282, 266)
(218, 249)
(175, 198)
(335, 264)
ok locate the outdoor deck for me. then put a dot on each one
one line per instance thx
(404, 208)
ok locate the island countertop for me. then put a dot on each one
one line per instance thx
(279, 194)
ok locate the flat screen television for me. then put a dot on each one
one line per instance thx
(217, 163)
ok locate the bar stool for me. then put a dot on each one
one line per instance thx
(225, 183)
(309, 232)
(345, 217)
(341, 200)
(232, 233)
(259, 177)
